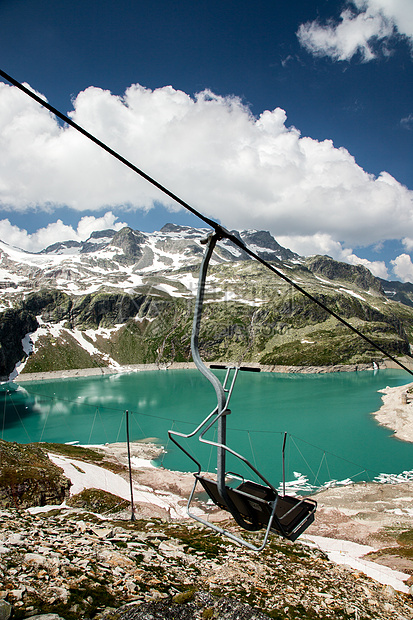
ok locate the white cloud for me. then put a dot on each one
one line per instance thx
(359, 31)
(247, 172)
(407, 122)
(400, 12)
(342, 41)
(324, 244)
(55, 232)
(403, 268)
(89, 224)
(307, 245)
(408, 243)
(378, 267)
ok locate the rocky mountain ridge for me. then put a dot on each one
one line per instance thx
(398, 291)
(127, 297)
(29, 478)
(119, 259)
(110, 259)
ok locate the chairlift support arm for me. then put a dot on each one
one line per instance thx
(222, 410)
(253, 506)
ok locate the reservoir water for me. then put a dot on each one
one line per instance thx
(331, 432)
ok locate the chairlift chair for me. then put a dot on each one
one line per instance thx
(254, 506)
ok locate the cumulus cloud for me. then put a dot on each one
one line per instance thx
(246, 172)
(364, 27)
(325, 244)
(56, 231)
(403, 268)
(89, 224)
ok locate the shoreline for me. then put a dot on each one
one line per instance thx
(396, 412)
(106, 370)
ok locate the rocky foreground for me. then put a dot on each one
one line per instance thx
(86, 559)
(75, 564)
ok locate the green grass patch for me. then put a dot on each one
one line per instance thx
(71, 451)
(63, 353)
(98, 501)
(406, 538)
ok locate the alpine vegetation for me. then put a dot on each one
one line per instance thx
(126, 297)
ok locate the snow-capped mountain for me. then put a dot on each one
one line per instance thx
(126, 297)
(123, 260)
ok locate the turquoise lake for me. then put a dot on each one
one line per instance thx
(331, 432)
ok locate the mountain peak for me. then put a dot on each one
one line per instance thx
(186, 231)
(99, 234)
(61, 247)
(130, 241)
(336, 270)
(265, 245)
(168, 228)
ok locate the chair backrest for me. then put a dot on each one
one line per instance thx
(253, 511)
(255, 502)
(293, 515)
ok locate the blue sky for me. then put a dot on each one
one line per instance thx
(294, 117)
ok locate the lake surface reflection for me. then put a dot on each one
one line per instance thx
(332, 434)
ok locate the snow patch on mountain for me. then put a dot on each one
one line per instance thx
(56, 331)
(122, 259)
(89, 348)
(352, 293)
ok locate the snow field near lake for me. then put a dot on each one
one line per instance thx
(351, 554)
(88, 476)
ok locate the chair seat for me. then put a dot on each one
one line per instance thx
(255, 502)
